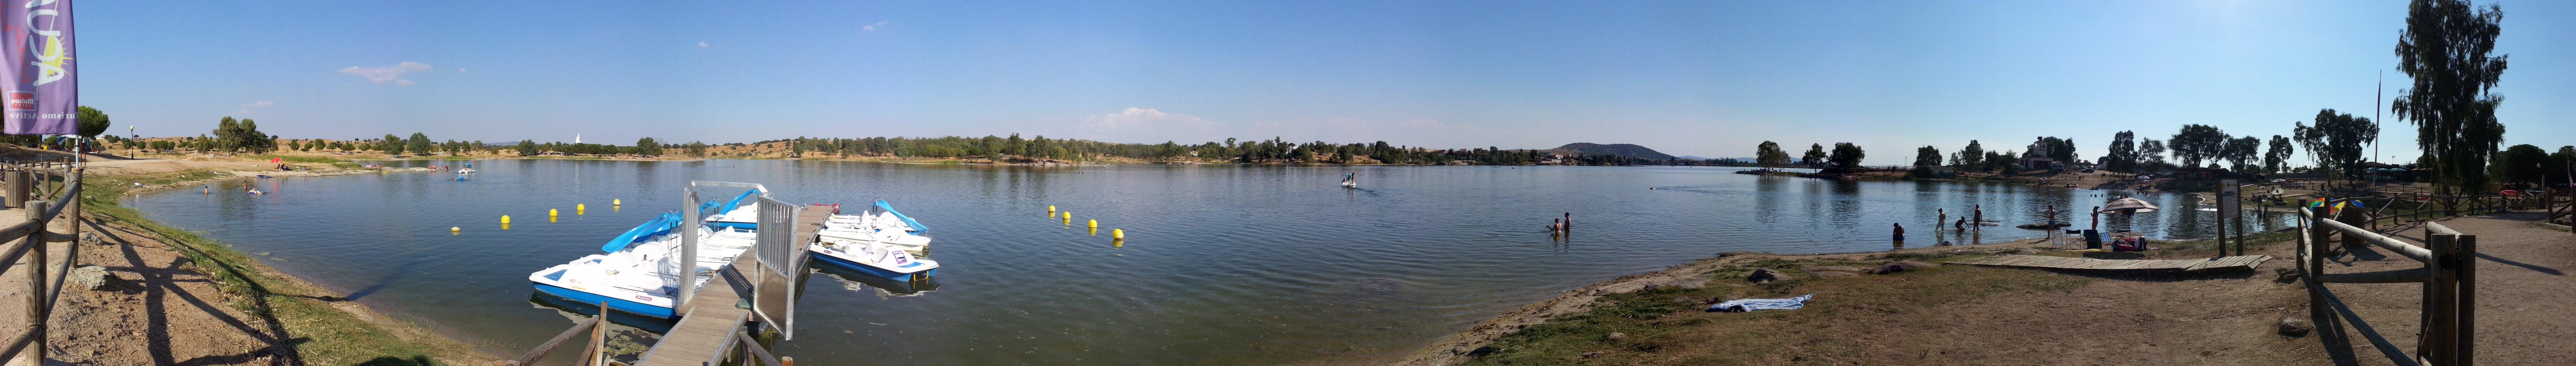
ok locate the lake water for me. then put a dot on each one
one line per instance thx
(1222, 265)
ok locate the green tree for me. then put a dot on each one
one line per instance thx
(648, 147)
(2337, 139)
(2445, 50)
(1769, 155)
(2241, 153)
(418, 144)
(2521, 163)
(1815, 156)
(2562, 165)
(527, 148)
(92, 122)
(1972, 157)
(2277, 155)
(1927, 156)
(227, 131)
(2122, 155)
(2197, 143)
(392, 145)
(2151, 152)
(1846, 156)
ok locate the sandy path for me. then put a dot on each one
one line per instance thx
(2523, 304)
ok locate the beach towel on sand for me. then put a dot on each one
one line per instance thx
(1744, 305)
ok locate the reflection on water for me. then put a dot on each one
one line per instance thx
(1222, 264)
(855, 281)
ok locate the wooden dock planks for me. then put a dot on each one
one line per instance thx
(2234, 263)
(713, 315)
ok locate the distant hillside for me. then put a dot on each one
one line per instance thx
(1690, 157)
(1627, 150)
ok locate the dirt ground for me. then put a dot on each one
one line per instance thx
(2522, 304)
(1452, 350)
(2222, 319)
(159, 307)
(155, 311)
(2227, 319)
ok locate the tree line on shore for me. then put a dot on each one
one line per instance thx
(243, 136)
(1014, 148)
(2445, 48)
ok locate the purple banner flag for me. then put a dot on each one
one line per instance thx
(40, 87)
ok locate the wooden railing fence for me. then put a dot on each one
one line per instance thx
(598, 328)
(2449, 277)
(741, 348)
(33, 178)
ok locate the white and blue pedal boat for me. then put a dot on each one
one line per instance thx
(640, 274)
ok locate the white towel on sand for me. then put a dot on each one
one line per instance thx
(1744, 305)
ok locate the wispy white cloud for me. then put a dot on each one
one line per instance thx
(872, 27)
(388, 74)
(702, 44)
(1148, 118)
(247, 107)
(460, 70)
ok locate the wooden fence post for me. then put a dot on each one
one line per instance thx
(34, 354)
(2435, 342)
(2465, 247)
(2317, 230)
(19, 187)
(2316, 265)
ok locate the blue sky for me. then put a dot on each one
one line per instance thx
(1687, 78)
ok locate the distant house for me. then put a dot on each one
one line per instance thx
(2038, 163)
(2037, 157)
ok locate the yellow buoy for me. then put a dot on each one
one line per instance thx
(1119, 234)
(505, 219)
(1050, 210)
(1068, 216)
(551, 212)
(455, 229)
(1095, 224)
(617, 202)
(579, 207)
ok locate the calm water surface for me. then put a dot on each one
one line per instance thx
(1223, 264)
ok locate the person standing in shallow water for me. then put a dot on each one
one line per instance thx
(1900, 233)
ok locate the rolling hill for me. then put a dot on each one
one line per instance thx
(1627, 150)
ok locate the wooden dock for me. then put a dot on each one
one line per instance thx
(2220, 264)
(717, 312)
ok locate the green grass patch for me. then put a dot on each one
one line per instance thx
(321, 333)
(1659, 330)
